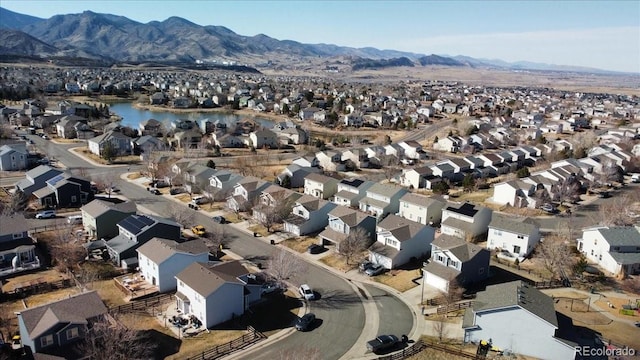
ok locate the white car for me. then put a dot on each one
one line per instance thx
(47, 214)
(306, 292)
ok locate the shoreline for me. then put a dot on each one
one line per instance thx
(241, 112)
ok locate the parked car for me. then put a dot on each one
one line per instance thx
(365, 265)
(219, 219)
(176, 191)
(305, 322)
(194, 207)
(44, 136)
(382, 342)
(306, 292)
(374, 270)
(199, 200)
(74, 219)
(315, 249)
(199, 230)
(637, 324)
(47, 214)
(155, 191)
(113, 189)
(550, 208)
(269, 288)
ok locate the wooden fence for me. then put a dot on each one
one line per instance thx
(143, 305)
(225, 349)
(417, 347)
(453, 350)
(37, 288)
(454, 307)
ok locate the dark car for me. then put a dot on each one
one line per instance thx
(374, 270)
(365, 265)
(550, 208)
(305, 322)
(315, 249)
(219, 219)
(155, 191)
(176, 191)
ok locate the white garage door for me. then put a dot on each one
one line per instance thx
(436, 281)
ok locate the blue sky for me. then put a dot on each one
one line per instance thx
(600, 34)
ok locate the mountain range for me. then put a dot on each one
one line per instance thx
(111, 39)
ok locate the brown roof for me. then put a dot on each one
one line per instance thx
(206, 278)
(76, 309)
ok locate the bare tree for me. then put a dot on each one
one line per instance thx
(566, 190)
(616, 213)
(354, 244)
(16, 204)
(107, 183)
(181, 215)
(453, 294)
(66, 251)
(276, 211)
(6, 320)
(610, 172)
(283, 265)
(215, 238)
(440, 327)
(158, 169)
(109, 339)
(555, 254)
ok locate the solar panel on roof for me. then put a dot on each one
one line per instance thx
(134, 223)
(55, 179)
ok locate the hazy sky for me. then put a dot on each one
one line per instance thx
(600, 34)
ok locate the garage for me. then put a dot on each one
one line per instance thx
(436, 281)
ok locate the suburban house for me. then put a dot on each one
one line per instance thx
(17, 249)
(417, 178)
(306, 161)
(14, 157)
(227, 140)
(54, 327)
(320, 186)
(64, 191)
(358, 157)
(263, 138)
(514, 237)
(454, 259)
(197, 178)
(330, 160)
(100, 218)
(134, 231)
(245, 193)
(36, 178)
(274, 203)
(117, 141)
(151, 127)
(615, 249)
(215, 293)
(465, 220)
(422, 209)
(413, 150)
(65, 128)
(160, 260)
(516, 193)
(399, 240)
(146, 144)
(343, 221)
(293, 175)
(187, 139)
(382, 199)
(351, 191)
(518, 318)
(450, 144)
(221, 184)
(308, 215)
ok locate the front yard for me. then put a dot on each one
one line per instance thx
(399, 279)
(300, 244)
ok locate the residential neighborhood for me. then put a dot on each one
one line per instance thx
(470, 215)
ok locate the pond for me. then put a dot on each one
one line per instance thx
(132, 116)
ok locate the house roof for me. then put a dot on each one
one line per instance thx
(158, 250)
(112, 134)
(320, 178)
(384, 250)
(522, 226)
(444, 272)
(401, 228)
(352, 182)
(206, 278)
(76, 309)
(311, 203)
(136, 224)
(98, 207)
(621, 235)
(467, 251)
(445, 241)
(386, 189)
(457, 224)
(466, 209)
(349, 216)
(516, 293)
(42, 170)
(419, 200)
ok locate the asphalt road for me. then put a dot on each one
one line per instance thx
(394, 316)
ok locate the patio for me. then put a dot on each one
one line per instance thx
(134, 286)
(180, 324)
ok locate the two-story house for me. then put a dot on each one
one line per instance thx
(215, 293)
(398, 240)
(134, 231)
(14, 157)
(516, 193)
(382, 199)
(515, 236)
(245, 193)
(358, 157)
(118, 142)
(197, 178)
(51, 328)
(455, 260)
(351, 191)
(263, 138)
(160, 260)
(17, 249)
(64, 191)
(274, 204)
(36, 178)
(308, 215)
(343, 221)
(413, 150)
(422, 209)
(100, 218)
(320, 186)
(293, 175)
(330, 160)
(616, 249)
(465, 220)
(221, 184)
(151, 127)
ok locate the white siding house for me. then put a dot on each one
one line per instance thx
(421, 209)
(320, 186)
(398, 240)
(515, 236)
(160, 260)
(382, 199)
(465, 220)
(615, 249)
(308, 215)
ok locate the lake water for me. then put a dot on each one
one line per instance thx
(132, 116)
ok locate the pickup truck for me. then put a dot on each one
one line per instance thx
(382, 342)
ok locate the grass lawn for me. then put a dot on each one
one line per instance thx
(399, 279)
(337, 261)
(120, 160)
(233, 217)
(476, 197)
(185, 198)
(134, 175)
(300, 244)
(259, 229)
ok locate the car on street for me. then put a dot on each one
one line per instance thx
(269, 288)
(155, 191)
(305, 322)
(306, 292)
(198, 230)
(375, 269)
(219, 219)
(382, 342)
(637, 324)
(46, 214)
(194, 207)
(315, 249)
(44, 136)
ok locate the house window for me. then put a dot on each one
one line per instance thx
(74, 198)
(17, 236)
(520, 237)
(595, 241)
(516, 249)
(46, 340)
(497, 232)
(481, 271)
(181, 283)
(591, 251)
(600, 257)
(72, 333)
(453, 264)
(615, 248)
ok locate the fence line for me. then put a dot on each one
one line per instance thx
(453, 350)
(417, 347)
(37, 288)
(219, 351)
(454, 307)
(142, 305)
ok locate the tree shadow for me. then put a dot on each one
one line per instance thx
(580, 335)
(498, 276)
(334, 299)
(277, 312)
(166, 345)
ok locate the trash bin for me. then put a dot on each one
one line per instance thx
(273, 242)
(255, 234)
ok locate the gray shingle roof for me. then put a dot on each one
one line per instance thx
(158, 250)
(98, 207)
(386, 189)
(401, 228)
(517, 293)
(76, 309)
(205, 278)
(13, 224)
(521, 226)
(419, 200)
(621, 236)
